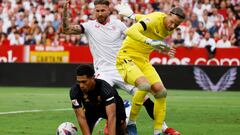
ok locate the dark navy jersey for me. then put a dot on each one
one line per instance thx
(95, 100)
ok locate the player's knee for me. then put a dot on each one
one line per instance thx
(161, 94)
(144, 86)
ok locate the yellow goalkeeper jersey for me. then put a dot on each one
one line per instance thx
(148, 26)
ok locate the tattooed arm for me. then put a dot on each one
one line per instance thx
(66, 27)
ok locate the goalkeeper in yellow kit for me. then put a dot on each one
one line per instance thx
(133, 60)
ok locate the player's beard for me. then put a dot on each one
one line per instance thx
(170, 28)
(102, 19)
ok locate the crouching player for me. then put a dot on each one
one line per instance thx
(93, 99)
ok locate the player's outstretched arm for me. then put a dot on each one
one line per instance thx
(134, 32)
(111, 114)
(81, 118)
(125, 10)
(158, 44)
(66, 27)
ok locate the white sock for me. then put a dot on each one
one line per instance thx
(146, 97)
(156, 132)
(131, 122)
(164, 126)
(128, 110)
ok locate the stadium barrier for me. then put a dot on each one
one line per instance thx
(214, 78)
(81, 54)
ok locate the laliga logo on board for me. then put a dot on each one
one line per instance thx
(198, 61)
(225, 82)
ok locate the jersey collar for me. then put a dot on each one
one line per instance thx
(108, 20)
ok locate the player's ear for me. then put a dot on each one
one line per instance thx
(93, 77)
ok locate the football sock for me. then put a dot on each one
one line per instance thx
(137, 102)
(131, 122)
(159, 113)
(148, 104)
(164, 126)
(157, 132)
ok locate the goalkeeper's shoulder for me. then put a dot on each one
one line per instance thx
(156, 14)
(153, 17)
(139, 17)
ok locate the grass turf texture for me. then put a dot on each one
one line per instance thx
(191, 112)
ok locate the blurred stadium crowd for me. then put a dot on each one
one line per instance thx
(38, 22)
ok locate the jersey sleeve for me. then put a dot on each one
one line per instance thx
(75, 98)
(108, 94)
(139, 17)
(136, 30)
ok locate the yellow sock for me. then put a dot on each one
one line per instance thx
(137, 100)
(159, 112)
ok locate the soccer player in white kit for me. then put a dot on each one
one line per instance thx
(105, 38)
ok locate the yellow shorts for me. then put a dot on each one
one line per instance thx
(132, 66)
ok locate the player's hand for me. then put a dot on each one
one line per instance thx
(125, 10)
(67, 3)
(158, 44)
(171, 52)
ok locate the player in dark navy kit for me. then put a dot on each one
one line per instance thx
(93, 99)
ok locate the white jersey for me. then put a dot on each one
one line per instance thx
(104, 41)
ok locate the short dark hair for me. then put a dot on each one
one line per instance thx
(104, 2)
(85, 69)
(178, 12)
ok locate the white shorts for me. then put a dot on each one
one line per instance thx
(114, 79)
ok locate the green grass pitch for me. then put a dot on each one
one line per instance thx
(38, 111)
